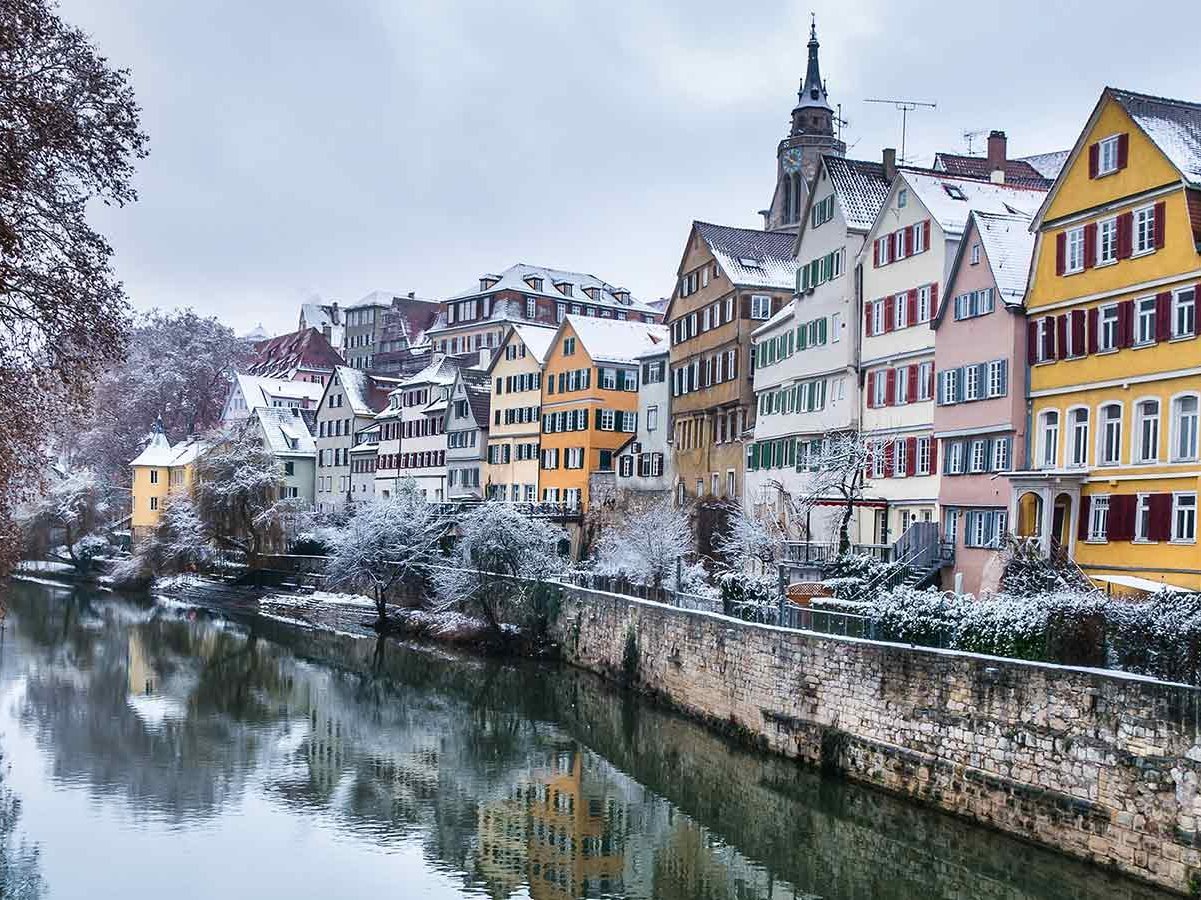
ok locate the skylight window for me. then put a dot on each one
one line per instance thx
(954, 192)
(749, 262)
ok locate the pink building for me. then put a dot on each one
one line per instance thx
(980, 389)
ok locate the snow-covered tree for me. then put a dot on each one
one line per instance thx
(387, 542)
(752, 543)
(237, 494)
(501, 559)
(178, 367)
(838, 472)
(69, 134)
(646, 545)
(73, 510)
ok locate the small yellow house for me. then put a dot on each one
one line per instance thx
(1115, 361)
(158, 471)
(515, 376)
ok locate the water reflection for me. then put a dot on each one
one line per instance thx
(451, 777)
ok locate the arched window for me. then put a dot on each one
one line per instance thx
(1146, 431)
(1048, 439)
(1078, 423)
(1109, 447)
(1184, 428)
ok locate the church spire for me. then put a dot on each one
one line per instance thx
(813, 92)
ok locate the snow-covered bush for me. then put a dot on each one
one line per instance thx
(647, 545)
(501, 566)
(386, 543)
(752, 597)
(72, 512)
(751, 544)
(851, 576)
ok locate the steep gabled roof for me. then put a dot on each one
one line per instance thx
(1048, 165)
(367, 394)
(259, 391)
(751, 258)
(1174, 126)
(538, 340)
(441, 370)
(283, 356)
(861, 188)
(615, 341)
(285, 432)
(519, 277)
(951, 200)
(1018, 172)
(1008, 246)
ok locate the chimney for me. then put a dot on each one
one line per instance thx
(890, 164)
(996, 155)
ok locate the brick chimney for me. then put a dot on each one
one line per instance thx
(996, 155)
(890, 164)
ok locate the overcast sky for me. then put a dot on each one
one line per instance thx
(335, 147)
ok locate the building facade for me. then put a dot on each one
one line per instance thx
(288, 435)
(303, 355)
(589, 401)
(413, 431)
(250, 392)
(511, 472)
(157, 472)
(1112, 339)
(351, 401)
(806, 356)
(467, 420)
(364, 456)
(980, 410)
(644, 464)
(905, 260)
(730, 280)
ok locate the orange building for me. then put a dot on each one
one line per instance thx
(589, 401)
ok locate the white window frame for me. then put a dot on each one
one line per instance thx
(1185, 428)
(923, 303)
(1143, 237)
(1000, 455)
(1073, 257)
(1142, 519)
(1107, 155)
(1107, 241)
(878, 316)
(978, 460)
(1184, 517)
(1098, 517)
(1107, 328)
(1078, 437)
(760, 306)
(1138, 454)
(1106, 427)
(924, 371)
(1048, 439)
(900, 311)
(1184, 306)
(976, 253)
(1146, 312)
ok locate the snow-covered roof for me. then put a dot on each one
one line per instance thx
(441, 370)
(1048, 165)
(751, 258)
(951, 200)
(537, 339)
(282, 356)
(1009, 244)
(257, 333)
(861, 188)
(784, 313)
(1173, 125)
(160, 453)
(522, 276)
(365, 393)
(258, 390)
(1019, 172)
(612, 340)
(285, 432)
(375, 298)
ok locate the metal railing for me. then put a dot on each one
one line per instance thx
(815, 552)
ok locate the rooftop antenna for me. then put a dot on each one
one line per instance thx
(906, 107)
(840, 123)
(970, 136)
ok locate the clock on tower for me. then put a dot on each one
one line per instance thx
(792, 159)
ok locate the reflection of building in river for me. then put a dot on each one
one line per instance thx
(563, 830)
(143, 680)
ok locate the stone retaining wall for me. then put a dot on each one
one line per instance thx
(1096, 764)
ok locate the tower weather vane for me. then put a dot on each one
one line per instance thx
(906, 107)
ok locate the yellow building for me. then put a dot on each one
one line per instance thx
(1115, 377)
(589, 401)
(511, 471)
(158, 471)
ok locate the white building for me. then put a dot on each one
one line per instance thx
(644, 462)
(467, 435)
(286, 434)
(251, 392)
(806, 356)
(363, 455)
(906, 259)
(349, 404)
(413, 432)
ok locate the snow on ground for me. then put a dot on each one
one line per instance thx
(44, 565)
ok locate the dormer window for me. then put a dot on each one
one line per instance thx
(534, 282)
(487, 281)
(621, 295)
(564, 288)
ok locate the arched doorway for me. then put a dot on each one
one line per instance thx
(1061, 520)
(1030, 515)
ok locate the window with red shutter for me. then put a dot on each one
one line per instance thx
(1090, 245)
(1160, 224)
(933, 455)
(1126, 323)
(1048, 347)
(871, 389)
(1159, 525)
(1061, 252)
(890, 388)
(926, 235)
(867, 318)
(889, 450)
(1082, 523)
(1032, 341)
(933, 300)
(912, 312)
(1163, 316)
(1094, 321)
(1123, 150)
(907, 240)
(1077, 332)
(1125, 235)
(1094, 155)
(911, 393)
(1061, 337)
(911, 456)
(889, 315)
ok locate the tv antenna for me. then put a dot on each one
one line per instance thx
(970, 136)
(906, 107)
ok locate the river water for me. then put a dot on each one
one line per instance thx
(152, 751)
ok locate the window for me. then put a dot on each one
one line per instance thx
(1184, 313)
(900, 310)
(878, 317)
(979, 460)
(924, 295)
(996, 378)
(1184, 518)
(919, 237)
(154, 476)
(652, 418)
(760, 306)
(902, 198)
(1110, 449)
(1075, 250)
(1144, 230)
(971, 383)
(835, 327)
(1184, 428)
(569, 346)
(1107, 241)
(880, 388)
(1098, 517)
(608, 420)
(922, 466)
(1048, 439)
(950, 386)
(1000, 455)
(154, 502)
(1078, 423)
(925, 380)
(1107, 156)
(1146, 431)
(1142, 518)
(955, 458)
(1107, 321)
(531, 308)
(900, 458)
(976, 254)
(1144, 327)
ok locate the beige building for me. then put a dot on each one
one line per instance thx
(511, 467)
(731, 280)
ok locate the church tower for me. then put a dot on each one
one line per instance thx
(811, 135)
